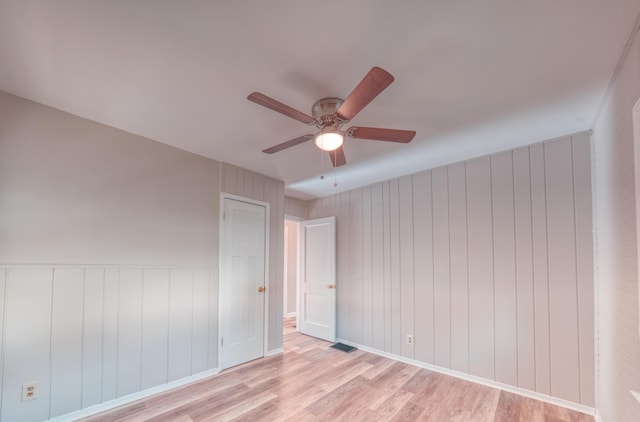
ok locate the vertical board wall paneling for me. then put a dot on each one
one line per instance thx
(213, 319)
(180, 322)
(276, 296)
(496, 255)
(584, 264)
(524, 269)
(481, 288)
(377, 268)
(441, 268)
(66, 341)
(386, 269)
(3, 285)
(423, 259)
(355, 266)
(155, 327)
(271, 191)
(200, 324)
(459, 276)
(506, 317)
(540, 269)
(343, 286)
(92, 334)
(229, 178)
(129, 331)
(27, 340)
(110, 335)
(274, 194)
(293, 207)
(367, 266)
(407, 278)
(258, 187)
(563, 306)
(394, 238)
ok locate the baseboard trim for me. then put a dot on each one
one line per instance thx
(479, 380)
(120, 401)
(274, 352)
(54, 266)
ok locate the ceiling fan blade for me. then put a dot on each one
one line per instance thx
(275, 105)
(378, 134)
(337, 157)
(369, 88)
(288, 144)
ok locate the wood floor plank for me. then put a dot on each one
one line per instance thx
(312, 382)
(508, 409)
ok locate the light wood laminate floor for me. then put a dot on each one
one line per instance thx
(312, 382)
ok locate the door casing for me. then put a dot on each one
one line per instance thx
(319, 287)
(266, 205)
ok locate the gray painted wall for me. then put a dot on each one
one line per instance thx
(487, 263)
(109, 260)
(617, 260)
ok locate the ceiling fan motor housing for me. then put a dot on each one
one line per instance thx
(324, 111)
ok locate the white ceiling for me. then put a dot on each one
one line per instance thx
(471, 77)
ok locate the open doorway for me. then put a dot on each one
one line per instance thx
(310, 277)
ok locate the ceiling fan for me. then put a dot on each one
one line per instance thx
(329, 114)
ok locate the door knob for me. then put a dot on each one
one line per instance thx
(331, 286)
(261, 289)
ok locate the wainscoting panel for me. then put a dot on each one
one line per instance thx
(524, 270)
(92, 334)
(3, 284)
(155, 327)
(423, 258)
(459, 268)
(487, 263)
(27, 343)
(129, 361)
(66, 340)
(540, 268)
(504, 267)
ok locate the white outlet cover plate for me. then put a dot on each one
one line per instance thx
(29, 387)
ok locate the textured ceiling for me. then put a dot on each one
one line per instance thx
(472, 77)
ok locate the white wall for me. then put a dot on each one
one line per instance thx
(109, 260)
(616, 247)
(488, 263)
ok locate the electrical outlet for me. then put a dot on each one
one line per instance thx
(30, 391)
(410, 339)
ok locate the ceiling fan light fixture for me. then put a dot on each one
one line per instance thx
(329, 140)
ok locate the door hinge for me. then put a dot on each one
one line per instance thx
(222, 342)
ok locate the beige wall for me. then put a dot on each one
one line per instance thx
(616, 247)
(74, 191)
(487, 263)
(294, 207)
(109, 260)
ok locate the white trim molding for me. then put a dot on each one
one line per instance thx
(120, 401)
(478, 380)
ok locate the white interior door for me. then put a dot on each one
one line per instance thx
(242, 282)
(317, 304)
